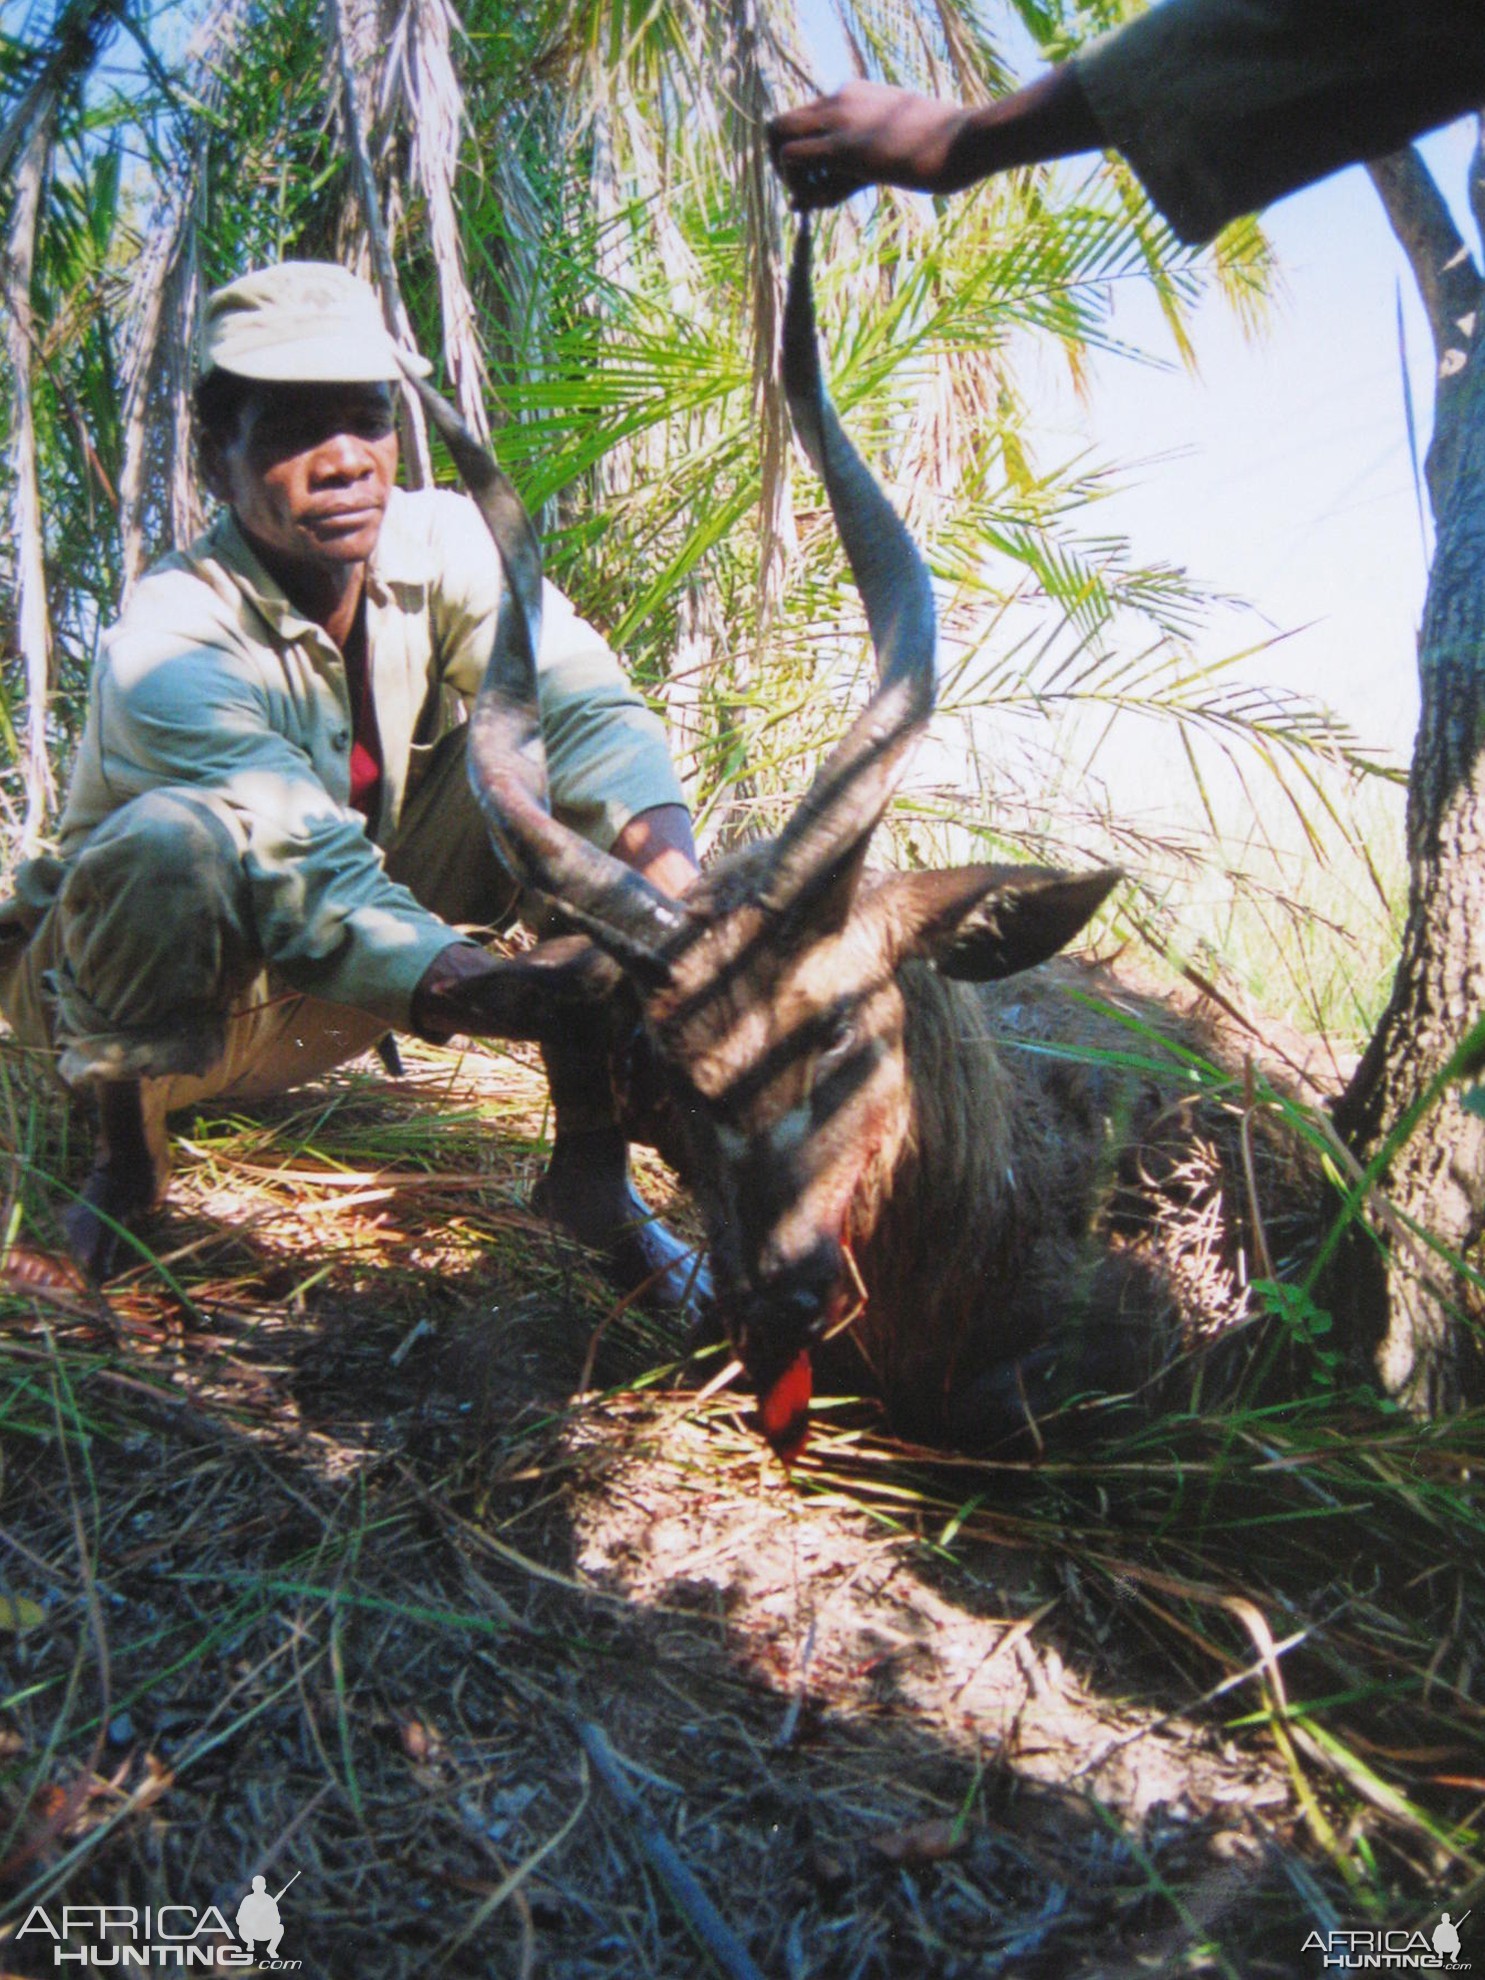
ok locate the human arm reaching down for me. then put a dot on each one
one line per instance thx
(1220, 106)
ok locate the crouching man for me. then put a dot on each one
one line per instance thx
(269, 854)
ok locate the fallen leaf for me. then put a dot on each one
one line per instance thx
(417, 1741)
(18, 1613)
(920, 1842)
(158, 1780)
(40, 1271)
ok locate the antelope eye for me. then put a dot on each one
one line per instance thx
(837, 1042)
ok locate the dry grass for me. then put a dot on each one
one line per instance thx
(332, 1568)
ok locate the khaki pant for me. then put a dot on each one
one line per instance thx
(146, 966)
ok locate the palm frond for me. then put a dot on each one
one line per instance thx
(353, 31)
(420, 81)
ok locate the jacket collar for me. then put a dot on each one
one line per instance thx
(401, 561)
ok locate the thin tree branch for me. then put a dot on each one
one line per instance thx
(147, 320)
(724, 1949)
(27, 139)
(748, 102)
(1443, 268)
(159, 503)
(1453, 296)
(32, 617)
(156, 70)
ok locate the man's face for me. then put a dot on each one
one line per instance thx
(308, 470)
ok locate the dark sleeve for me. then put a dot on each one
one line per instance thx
(1223, 105)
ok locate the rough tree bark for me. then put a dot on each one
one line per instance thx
(1417, 1315)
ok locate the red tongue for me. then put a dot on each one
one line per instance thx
(784, 1413)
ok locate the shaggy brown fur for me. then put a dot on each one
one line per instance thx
(1020, 1189)
(1058, 1225)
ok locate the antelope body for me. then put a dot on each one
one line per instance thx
(875, 1124)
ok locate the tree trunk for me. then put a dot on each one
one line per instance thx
(27, 142)
(33, 630)
(1416, 1311)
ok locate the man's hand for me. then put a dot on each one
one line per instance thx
(531, 995)
(866, 134)
(535, 994)
(869, 134)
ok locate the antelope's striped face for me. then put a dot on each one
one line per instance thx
(781, 1054)
(780, 1042)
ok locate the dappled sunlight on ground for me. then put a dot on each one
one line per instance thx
(806, 1591)
(342, 1519)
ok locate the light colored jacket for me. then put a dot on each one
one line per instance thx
(212, 681)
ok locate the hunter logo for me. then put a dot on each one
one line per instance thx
(257, 1918)
(1393, 1949)
(167, 1935)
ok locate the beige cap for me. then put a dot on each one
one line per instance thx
(303, 322)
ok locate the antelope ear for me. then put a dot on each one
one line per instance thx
(983, 922)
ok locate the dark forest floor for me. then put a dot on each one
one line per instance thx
(335, 1529)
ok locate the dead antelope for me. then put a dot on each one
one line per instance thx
(827, 1045)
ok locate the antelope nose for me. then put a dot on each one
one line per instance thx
(782, 1312)
(800, 1296)
(796, 1310)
